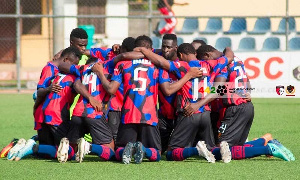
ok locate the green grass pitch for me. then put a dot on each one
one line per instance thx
(277, 116)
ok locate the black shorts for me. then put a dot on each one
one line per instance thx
(147, 134)
(114, 119)
(51, 135)
(236, 124)
(98, 128)
(214, 116)
(187, 128)
(166, 127)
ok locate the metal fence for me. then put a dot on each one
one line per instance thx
(28, 30)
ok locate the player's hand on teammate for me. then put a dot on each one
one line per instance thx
(139, 49)
(247, 97)
(55, 87)
(57, 55)
(229, 54)
(97, 105)
(116, 48)
(190, 109)
(98, 67)
(195, 72)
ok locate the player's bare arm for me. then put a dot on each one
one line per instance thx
(157, 60)
(128, 56)
(81, 89)
(57, 55)
(171, 88)
(193, 107)
(42, 93)
(229, 54)
(116, 48)
(110, 87)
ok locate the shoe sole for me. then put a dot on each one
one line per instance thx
(63, 151)
(139, 153)
(6, 149)
(225, 152)
(81, 150)
(127, 153)
(205, 153)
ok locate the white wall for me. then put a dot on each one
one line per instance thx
(116, 29)
(70, 8)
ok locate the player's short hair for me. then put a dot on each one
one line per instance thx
(128, 44)
(170, 37)
(143, 41)
(185, 48)
(199, 41)
(202, 50)
(78, 33)
(71, 50)
(92, 60)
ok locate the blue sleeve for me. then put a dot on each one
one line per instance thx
(163, 76)
(75, 71)
(117, 75)
(117, 78)
(99, 53)
(223, 74)
(174, 69)
(110, 66)
(223, 64)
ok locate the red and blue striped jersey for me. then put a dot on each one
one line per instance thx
(140, 79)
(116, 100)
(47, 75)
(100, 53)
(166, 103)
(217, 104)
(57, 105)
(197, 88)
(94, 86)
(237, 83)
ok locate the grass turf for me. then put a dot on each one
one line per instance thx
(277, 116)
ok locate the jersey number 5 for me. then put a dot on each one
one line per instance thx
(137, 78)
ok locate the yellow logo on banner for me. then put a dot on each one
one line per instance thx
(290, 90)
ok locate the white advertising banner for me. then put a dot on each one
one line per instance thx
(273, 74)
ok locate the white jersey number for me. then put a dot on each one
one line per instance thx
(90, 79)
(137, 78)
(196, 86)
(241, 76)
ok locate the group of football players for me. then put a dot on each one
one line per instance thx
(137, 102)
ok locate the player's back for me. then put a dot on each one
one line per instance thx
(95, 88)
(140, 79)
(237, 83)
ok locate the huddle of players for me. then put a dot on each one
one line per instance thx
(126, 82)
